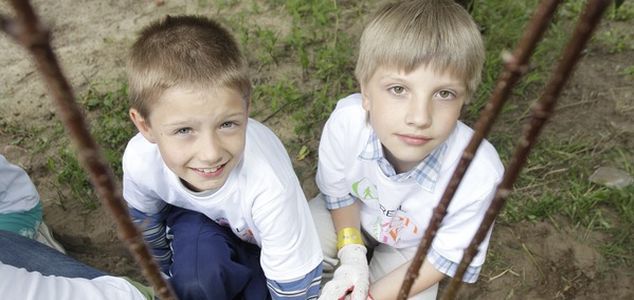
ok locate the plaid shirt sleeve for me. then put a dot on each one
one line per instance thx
(338, 202)
(449, 268)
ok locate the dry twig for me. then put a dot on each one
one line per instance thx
(541, 112)
(515, 66)
(27, 31)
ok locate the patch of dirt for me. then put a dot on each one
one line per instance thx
(598, 102)
(541, 260)
(544, 261)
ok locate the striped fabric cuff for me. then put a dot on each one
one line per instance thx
(305, 288)
(449, 268)
(153, 228)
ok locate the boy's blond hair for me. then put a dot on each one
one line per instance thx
(408, 34)
(184, 51)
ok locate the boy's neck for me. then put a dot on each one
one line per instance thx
(204, 193)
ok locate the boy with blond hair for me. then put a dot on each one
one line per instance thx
(221, 185)
(387, 154)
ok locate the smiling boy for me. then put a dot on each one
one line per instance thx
(387, 154)
(219, 184)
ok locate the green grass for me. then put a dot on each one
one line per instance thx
(302, 66)
(111, 129)
(21, 134)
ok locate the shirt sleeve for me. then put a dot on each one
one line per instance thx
(338, 202)
(153, 229)
(331, 165)
(460, 226)
(449, 267)
(303, 288)
(289, 241)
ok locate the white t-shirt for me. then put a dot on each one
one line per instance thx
(397, 213)
(261, 201)
(18, 283)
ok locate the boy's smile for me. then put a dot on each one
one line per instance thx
(200, 133)
(412, 113)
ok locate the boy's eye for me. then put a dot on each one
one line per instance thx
(445, 94)
(227, 124)
(186, 130)
(397, 90)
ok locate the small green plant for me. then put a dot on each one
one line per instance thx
(109, 125)
(615, 40)
(629, 71)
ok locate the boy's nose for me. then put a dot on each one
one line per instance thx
(419, 113)
(209, 149)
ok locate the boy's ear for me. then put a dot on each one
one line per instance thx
(141, 124)
(365, 101)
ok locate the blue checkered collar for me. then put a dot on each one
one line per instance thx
(426, 173)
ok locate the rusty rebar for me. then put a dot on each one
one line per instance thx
(540, 113)
(515, 66)
(26, 29)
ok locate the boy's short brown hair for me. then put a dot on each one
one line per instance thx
(184, 51)
(407, 34)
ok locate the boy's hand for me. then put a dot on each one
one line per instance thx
(352, 279)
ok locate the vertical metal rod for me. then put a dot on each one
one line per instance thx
(27, 31)
(515, 66)
(541, 112)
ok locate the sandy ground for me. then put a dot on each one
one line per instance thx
(536, 260)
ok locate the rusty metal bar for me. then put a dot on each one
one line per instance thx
(26, 29)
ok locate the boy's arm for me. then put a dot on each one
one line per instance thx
(352, 275)
(389, 286)
(148, 212)
(347, 216)
(153, 228)
(18, 283)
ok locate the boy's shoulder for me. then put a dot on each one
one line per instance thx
(348, 116)
(141, 155)
(485, 166)
(262, 141)
(265, 157)
(257, 130)
(266, 171)
(352, 104)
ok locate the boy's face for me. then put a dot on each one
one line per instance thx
(200, 133)
(412, 113)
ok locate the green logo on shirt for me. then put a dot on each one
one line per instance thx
(364, 190)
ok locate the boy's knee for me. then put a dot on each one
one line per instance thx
(197, 282)
(186, 288)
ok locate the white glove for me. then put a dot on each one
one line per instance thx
(352, 277)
